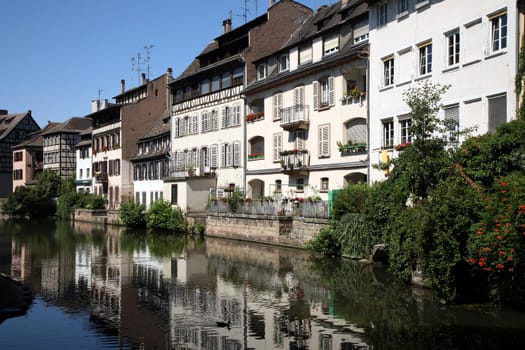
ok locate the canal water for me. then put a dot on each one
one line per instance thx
(111, 288)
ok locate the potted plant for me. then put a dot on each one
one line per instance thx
(191, 170)
(355, 92)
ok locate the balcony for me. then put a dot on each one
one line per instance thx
(295, 162)
(254, 117)
(295, 117)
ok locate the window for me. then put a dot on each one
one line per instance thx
(213, 156)
(80, 173)
(277, 105)
(215, 83)
(498, 26)
(497, 111)
(278, 186)
(324, 140)
(300, 185)
(298, 96)
(237, 153)
(356, 130)
(453, 48)
(277, 146)
(17, 156)
(331, 44)
(238, 74)
(405, 125)
(87, 173)
(283, 63)
(174, 194)
(324, 184)
(226, 117)
(382, 14)
(388, 133)
(305, 55)
(402, 6)
(17, 174)
(425, 59)
(226, 155)
(388, 71)
(452, 122)
(261, 71)
(323, 93)
(226, 80)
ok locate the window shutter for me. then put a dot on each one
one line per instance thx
(195, 124)
(237, 153)
(277, 146)
(324, 135)
(316, 95)
(223, 155)
(331, 94)
(177, 127)
(299, 139)
(298, 96)
(225, 121)
(215, 120)
(197, 158)
(179, 160)
(331, 44)
(213, 156)
(277, 105)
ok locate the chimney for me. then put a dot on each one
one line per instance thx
(226, 25)
(122, 86)
(3, 112)
(143, 75)
(95, 106)
(344, 3)
(272, 2)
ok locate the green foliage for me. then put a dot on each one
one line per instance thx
(161, 216)
(132, 214)
(350, 200)
(355, 243)
(233, 201)
(69, 201)
(493, 155)
(95, 202)
(49, 184)
(26, 202)
(326, 242)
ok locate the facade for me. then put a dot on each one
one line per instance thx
(151, 163)
(208, 108)
(116, 131)
(307, 109)
(28, 158)
(59, 146)
(14, 129)
(475, 51)
(84, 171)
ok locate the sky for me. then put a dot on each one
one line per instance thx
(57, 56)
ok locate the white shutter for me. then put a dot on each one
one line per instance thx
(177, 127)
(305, 55)
(236, 153)
(331, 94)
(213, 156)
(214, 120)
(179, 158)
(299, 139)
(195, 124)
(237, 114)
(277, 146)
(324, 136)
(196, 158)
(224, 117)
(298, 96)
(277, 105)
(315, 86)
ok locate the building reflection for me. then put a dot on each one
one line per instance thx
(216, 294)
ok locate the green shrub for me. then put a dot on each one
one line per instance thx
(68, 202)
(161, 216)
(326, 242)
(351, 200)
(95, 202)
(132, 214)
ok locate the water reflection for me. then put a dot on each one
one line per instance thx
(152, 291)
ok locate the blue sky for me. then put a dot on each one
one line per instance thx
(57, 54)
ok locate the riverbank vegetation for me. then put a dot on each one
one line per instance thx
(49, 197)
(160, 216)
(454, 213)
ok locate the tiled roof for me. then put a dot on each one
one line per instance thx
(9, 121)
(160, 128)
(36, 139)
(72, 125)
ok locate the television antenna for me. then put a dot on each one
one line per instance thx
(148, 58)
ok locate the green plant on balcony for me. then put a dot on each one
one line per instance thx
(355, 92)
(351, 146)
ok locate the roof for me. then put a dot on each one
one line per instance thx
(9, 121)
(72, 125)
(35, 138)
(161, 127)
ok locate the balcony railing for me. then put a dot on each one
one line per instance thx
(298, 207)
(295, 117)
(295, 161)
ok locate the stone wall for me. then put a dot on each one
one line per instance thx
(279, 230)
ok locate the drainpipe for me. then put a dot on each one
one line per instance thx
(367, 58)
(245, 144)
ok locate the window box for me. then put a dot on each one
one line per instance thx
(255, 156)
(403, 146)
(351, 148)
(253, 117)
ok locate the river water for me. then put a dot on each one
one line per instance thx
(111, 288)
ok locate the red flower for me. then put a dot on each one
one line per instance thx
(502, 183)
(502, 252)
(487, 249)
(500, 238)
(500, 266)
(510, 258)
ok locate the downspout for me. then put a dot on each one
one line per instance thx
(519, 44)
(245, 133)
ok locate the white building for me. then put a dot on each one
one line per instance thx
(307, 111)
(208, 108)
(470, 45)
(84, 174)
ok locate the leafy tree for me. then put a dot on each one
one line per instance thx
(49, 184)
(161, 216)
(132, 214)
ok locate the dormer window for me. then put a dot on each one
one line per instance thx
(261, 71)
(331, 44)
(283, 63)
(305, 55)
